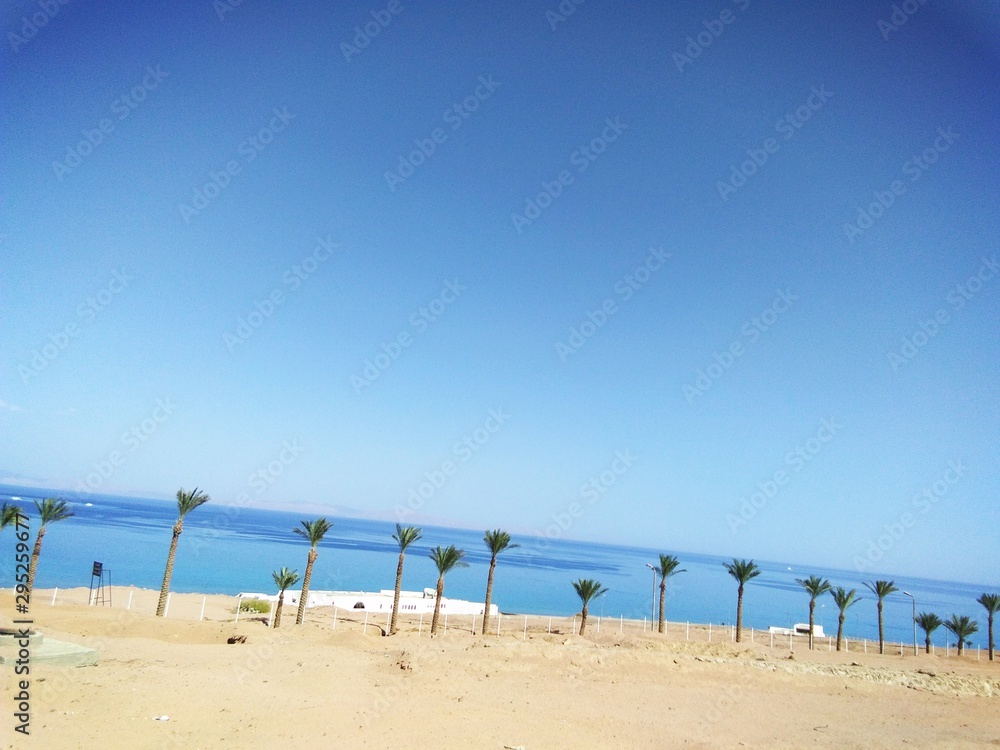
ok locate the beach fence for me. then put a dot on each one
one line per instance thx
(223, 608)
(215, 607)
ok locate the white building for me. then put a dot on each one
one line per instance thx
(410, 602)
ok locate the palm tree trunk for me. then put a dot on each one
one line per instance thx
(739, 614)
(395, 596)
(961, 646)
(812, 610)
(437, 605)
(989, 622)
(277, 611)
(33, 565)
(161, 605)
(489, 594)
(663, 598)
(927, 644)
(305, 586)
(881, 630)
(583, 620)
(840, 630)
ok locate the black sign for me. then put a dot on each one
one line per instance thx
(98, 569)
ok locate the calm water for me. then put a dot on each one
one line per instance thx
(228, 550)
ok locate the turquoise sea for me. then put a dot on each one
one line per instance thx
(228, 549)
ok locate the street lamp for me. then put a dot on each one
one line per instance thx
(913, 601)
(652, 601)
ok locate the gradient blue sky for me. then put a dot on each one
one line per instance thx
(70, 233)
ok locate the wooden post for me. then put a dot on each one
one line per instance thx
(166, 607)
(54, 597)
(129, 605)
(201, 617)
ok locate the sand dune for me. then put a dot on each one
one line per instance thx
(315, 686)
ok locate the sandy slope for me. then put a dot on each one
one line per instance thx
(312, 686)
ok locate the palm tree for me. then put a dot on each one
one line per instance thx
(844, 599)
(186, 502)
(928, 622)
(881, 589)
(283, 578)
(404, 536)
(587, 589)
(50, 510)
(816, 587)
(496, 541)
(313, 532)
(961, 627)
(992, 604)
(667, 568)
(742, 571)
(9, 515)
(445, 559)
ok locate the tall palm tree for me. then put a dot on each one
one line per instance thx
(50, 510)
(587, 589)
(404, 536)
(8, 516)
(668, 567)
(928, 622)
(844, 599)
(742, 571)
(313, 532)
(283, 578)
(881, 589)
(496, 541)
(992, 604)
(816, 587)
(445, 559)
(186, 502)
(962, 628)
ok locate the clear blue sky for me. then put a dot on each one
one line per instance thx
(466, 187)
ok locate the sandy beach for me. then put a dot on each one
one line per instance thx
(320, 686)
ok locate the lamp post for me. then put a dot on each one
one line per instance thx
(652, 601)
(913, 601)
